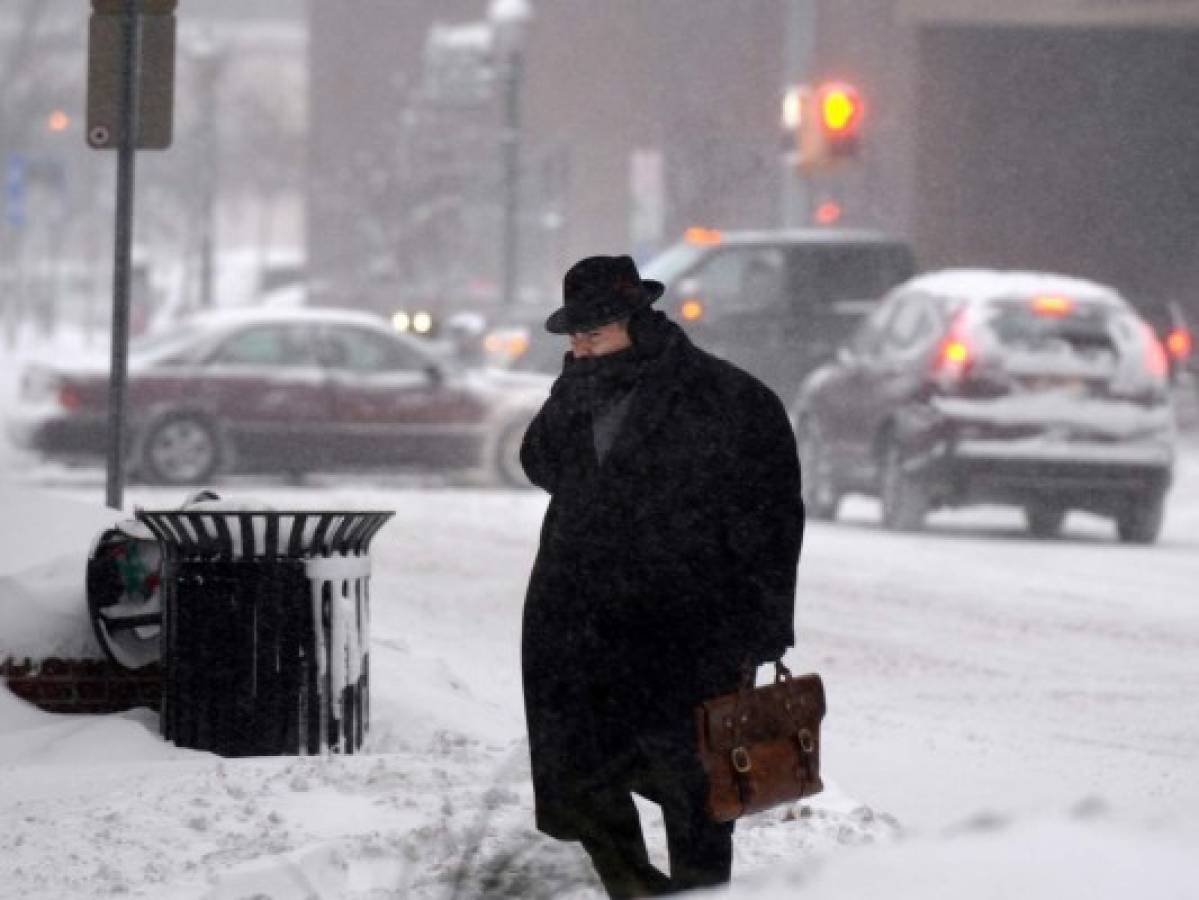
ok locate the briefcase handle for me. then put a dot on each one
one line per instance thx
(749, 673)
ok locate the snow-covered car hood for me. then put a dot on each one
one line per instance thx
(529, 388)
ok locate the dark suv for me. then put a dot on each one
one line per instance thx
(776, 303)
(970, 386)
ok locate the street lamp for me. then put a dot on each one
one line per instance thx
(509, 20)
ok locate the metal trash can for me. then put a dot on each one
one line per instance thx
(265, 628)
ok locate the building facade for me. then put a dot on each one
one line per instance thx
(1055, 134)
(638, 119)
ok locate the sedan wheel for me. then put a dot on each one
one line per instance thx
(181, 450)
(820, 495)
(903, 499)
(1044, 519)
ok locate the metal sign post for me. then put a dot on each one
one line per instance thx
(122, 259)
(120, 116)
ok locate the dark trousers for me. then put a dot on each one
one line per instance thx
(670, 774)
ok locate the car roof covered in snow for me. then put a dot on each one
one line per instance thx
(809, 236)
(980, 285)
(254, 315)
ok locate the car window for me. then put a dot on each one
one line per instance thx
(265, 345)
(363, 350)
(912, 327)
(866, 340)
(741, 280)
(1085, 335)
(177, 346)
(829, 274)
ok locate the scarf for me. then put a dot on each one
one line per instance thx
(598, 382)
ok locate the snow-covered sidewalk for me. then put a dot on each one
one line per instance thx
(1008, 718)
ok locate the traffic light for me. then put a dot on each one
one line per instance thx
(840, 119)
(822, 123)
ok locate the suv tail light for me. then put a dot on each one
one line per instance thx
(954, 354)
(1179, 343)
(1145, 380)
(959, 368)
(1157, 364)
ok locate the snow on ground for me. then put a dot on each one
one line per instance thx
(1008, 718)
(45, 543)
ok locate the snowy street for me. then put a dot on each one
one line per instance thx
(333, 284)
(981, 683)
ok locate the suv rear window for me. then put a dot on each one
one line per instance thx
(1080, 336)
(829, 274)
(1084, 330)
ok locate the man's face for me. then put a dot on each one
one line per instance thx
(601, 340)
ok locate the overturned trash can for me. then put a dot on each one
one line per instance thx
(265, 628)
(123, 596)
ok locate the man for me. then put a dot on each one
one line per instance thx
(667, 564)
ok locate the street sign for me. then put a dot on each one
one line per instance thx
(155, 67)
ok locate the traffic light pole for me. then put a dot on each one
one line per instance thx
(799, 49)
(510, 250)
(122, 256)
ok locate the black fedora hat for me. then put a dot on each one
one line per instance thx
(599, 290)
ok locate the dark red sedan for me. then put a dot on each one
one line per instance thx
(288, 391)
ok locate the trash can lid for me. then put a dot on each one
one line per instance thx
(263, 534)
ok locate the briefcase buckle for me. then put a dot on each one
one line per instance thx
(741, 761)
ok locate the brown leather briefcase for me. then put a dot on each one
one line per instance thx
(761, 745)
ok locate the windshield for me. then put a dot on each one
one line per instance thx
(160, 345)
(667, 266)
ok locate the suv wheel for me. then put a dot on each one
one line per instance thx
(1044, 519)
(1140, 522)
(820, 495)
(903, 499)
(506, 463)
(181, 449)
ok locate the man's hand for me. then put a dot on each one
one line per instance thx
(769, 654)
(572, 391)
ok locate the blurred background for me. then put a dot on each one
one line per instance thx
(460, 154)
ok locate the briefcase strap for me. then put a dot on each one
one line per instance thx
(739, 754)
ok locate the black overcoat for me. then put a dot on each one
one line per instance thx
(658, 571)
